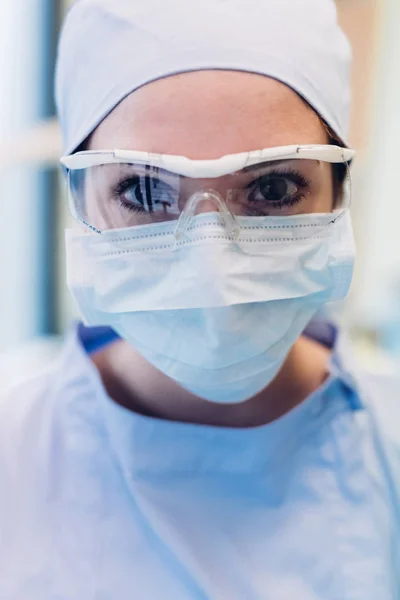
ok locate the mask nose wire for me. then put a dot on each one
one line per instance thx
(195, 201)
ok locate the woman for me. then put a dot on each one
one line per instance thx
(207, 436)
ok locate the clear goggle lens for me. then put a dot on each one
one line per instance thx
(120, 195)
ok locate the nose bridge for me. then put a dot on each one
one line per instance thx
(207, 201)
(203, 202)
(208, 187)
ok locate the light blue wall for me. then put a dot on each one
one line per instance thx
(21, 37)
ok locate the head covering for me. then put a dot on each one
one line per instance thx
(109, 48)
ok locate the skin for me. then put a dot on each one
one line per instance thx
(205, 115)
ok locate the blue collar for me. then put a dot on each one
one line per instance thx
(94, 339)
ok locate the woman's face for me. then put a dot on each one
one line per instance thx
(208, 114)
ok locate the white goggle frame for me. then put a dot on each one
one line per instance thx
(205, 169)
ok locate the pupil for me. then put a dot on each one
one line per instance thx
(138, 194)
(274, 189)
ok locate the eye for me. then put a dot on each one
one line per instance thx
(130, 191)
(276, 188)
(145, 194)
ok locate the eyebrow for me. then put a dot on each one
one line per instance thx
(268, 163)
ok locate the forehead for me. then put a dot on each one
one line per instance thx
(207, 114)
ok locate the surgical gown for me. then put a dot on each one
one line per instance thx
(100, 503)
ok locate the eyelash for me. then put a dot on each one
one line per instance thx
(120, 188)
(295, 176)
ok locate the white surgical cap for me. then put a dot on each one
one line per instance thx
(109, 48)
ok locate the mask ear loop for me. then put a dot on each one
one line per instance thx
(189, 212)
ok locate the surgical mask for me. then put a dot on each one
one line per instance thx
(215, 300)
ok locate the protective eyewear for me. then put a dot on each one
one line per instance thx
(119, 189)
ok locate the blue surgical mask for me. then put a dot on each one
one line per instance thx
(217, 313)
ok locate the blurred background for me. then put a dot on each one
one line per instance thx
(35, 310)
